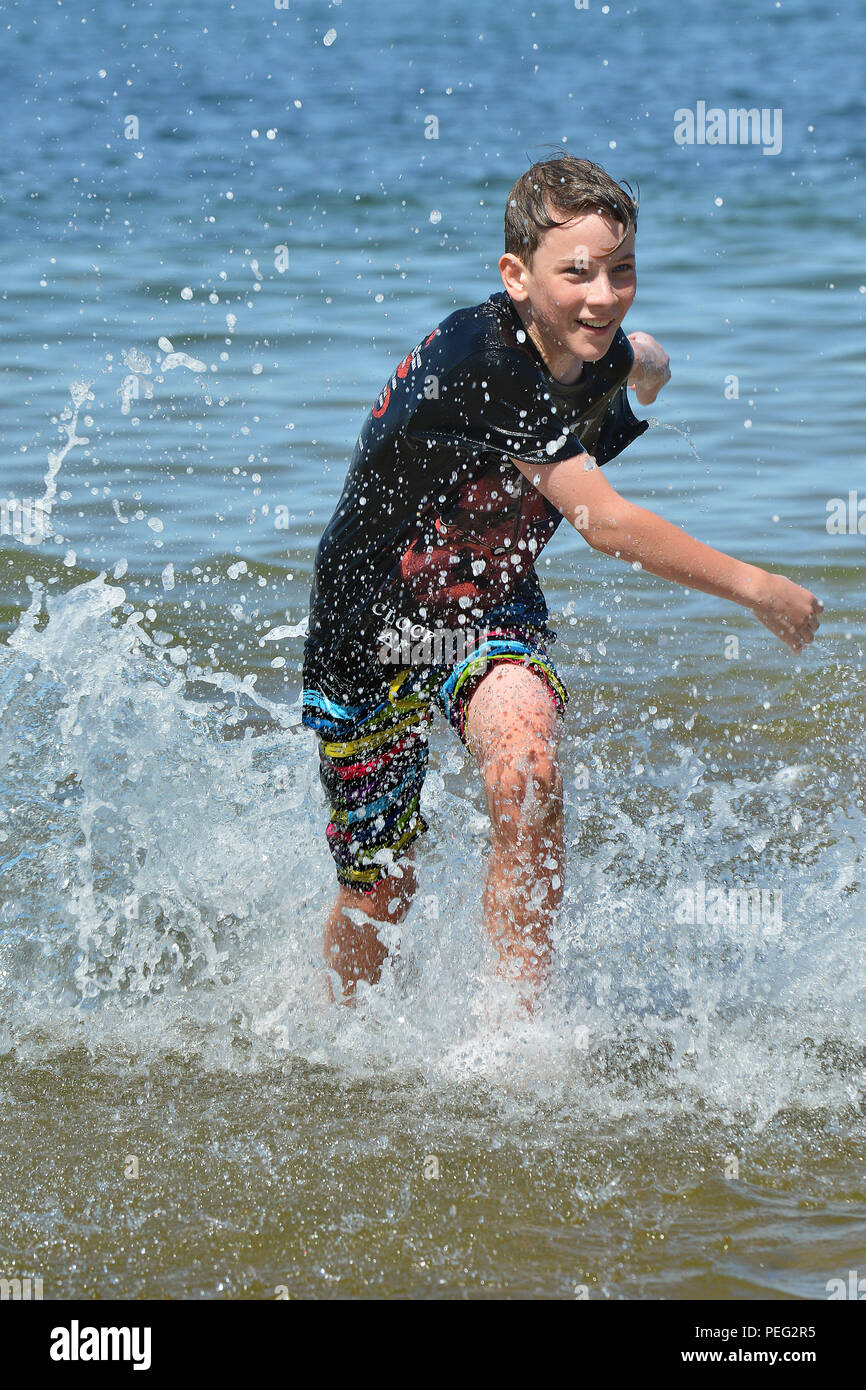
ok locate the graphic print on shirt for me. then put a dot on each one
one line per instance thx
(411, 362)
(479, 551)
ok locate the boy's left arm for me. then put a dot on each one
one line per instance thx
(652, 367)
(608, 522)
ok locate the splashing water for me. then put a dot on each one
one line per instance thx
(655, 424)
(163, 861)
(29, 522)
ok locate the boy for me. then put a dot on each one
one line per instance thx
(489, 432)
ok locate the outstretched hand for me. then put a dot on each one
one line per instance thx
(789, 611)
(652, 367)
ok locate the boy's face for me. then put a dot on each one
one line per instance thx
(577, 291)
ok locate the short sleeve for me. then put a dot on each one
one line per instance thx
(619, 428)
(496, 403)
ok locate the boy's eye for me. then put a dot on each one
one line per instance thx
(624, 267)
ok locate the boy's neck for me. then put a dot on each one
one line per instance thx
(562, 365)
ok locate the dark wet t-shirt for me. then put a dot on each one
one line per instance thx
(435, 525)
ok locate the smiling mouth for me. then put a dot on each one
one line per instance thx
(595, 325)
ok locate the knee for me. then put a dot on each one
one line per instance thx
(390, 899)
(394, 892)
(524, 789)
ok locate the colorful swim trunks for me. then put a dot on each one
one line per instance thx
(373, 759)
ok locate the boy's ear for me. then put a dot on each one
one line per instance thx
(513, 273)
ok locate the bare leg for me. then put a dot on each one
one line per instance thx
(513, 728)
(355, 950)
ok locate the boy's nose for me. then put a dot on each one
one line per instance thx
(600, 293)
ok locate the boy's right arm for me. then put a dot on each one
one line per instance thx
(615, 526)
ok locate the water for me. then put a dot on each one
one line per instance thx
(182, 1113)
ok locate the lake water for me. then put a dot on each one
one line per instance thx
(259, 190)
